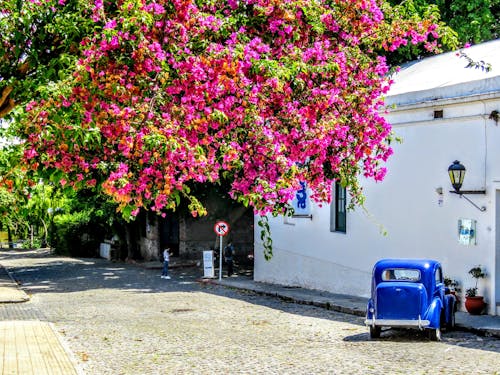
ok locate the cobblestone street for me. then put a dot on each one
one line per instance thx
(123, 319)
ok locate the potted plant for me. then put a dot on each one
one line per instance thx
(452, 284)
(474, 303)
(454, 288)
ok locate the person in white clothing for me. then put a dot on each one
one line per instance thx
(166, 259)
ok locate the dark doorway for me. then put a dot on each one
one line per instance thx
(169, 233)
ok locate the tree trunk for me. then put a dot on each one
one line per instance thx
(45, 234)
(9, 238)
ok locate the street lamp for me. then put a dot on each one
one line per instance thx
(457, 174)
(456, 171)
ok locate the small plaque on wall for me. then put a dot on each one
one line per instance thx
(301, 203)
(467, 231)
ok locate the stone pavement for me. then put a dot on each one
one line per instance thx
(481, 324)
(29, 346)
(32, 346)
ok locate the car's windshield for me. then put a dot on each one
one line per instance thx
(400, 274)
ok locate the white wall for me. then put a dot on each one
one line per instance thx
(406, 205)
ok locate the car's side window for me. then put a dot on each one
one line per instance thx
(439, 275)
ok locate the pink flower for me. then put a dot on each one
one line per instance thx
(110, 24)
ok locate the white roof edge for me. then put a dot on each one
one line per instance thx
(446, 76)
(489, 86)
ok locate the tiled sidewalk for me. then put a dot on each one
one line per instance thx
(29, 346)
(32, 347)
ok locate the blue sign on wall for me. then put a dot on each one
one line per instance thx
(467, 231)
(301, 203)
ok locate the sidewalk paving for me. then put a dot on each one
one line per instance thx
(30, 346)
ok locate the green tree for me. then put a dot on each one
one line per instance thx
(474, 21)
(161, 96)
(39, 45)
(447, 37)
(13, 194)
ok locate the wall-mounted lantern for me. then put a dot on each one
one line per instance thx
(457, 175)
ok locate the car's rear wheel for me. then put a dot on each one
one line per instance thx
(435, 334)
(375, 332)
(451, 323)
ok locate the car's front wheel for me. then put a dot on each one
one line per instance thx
(375, 332)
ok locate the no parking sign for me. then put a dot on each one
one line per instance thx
(221, 228)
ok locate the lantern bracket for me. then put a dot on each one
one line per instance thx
(461, 193)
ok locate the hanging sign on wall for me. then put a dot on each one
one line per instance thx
(467, 231)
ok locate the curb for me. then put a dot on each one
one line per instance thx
(486, 332)
(12, 292)
(324, 305)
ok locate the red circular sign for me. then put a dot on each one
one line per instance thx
(221, 228)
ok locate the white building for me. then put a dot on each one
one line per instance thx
(443, 112)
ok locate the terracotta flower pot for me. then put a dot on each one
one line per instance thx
(474, 305)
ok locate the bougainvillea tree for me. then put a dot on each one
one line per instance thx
(257, 95)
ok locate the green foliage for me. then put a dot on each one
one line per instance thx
(462, 21)
(471, 292)
(477, 273)
(10, 218)
(265, 237)
(13, 194)
(45, 42)
(422, 9)
(75, 234)
(475, 21)
(82, 222)
(35, 244)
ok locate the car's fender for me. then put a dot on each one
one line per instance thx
(433, 313)
(369, 309)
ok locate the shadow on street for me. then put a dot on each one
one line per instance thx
(47, 273)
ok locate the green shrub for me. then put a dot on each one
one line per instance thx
(76, 234)
(36, 244)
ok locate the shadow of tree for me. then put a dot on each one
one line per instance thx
(46, 273)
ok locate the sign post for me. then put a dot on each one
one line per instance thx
(221, 228)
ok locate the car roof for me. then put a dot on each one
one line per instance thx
(421, 264)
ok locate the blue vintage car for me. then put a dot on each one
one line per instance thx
(410, 293)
